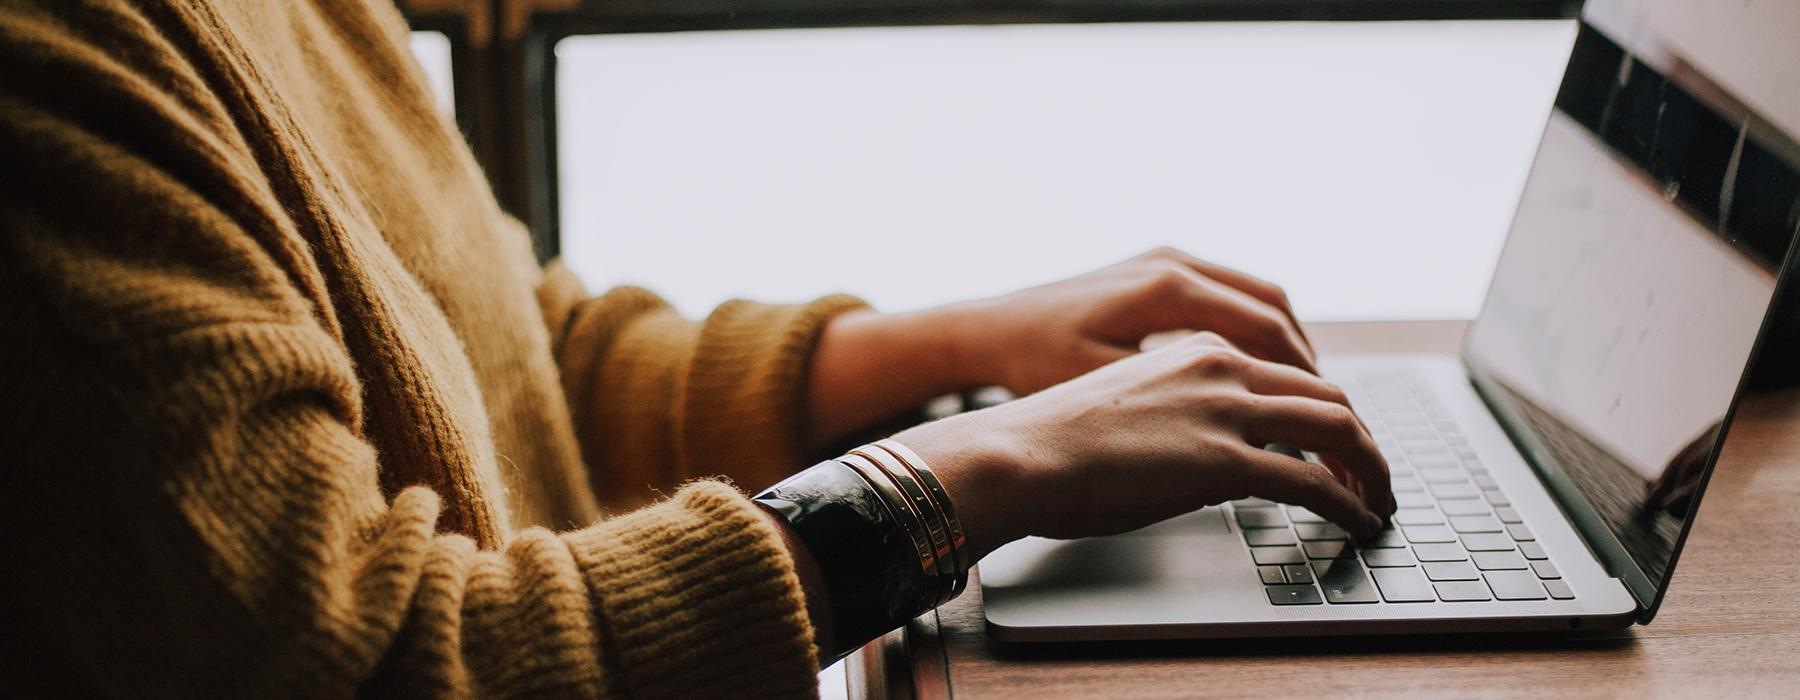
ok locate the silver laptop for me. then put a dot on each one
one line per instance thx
(1547, 477)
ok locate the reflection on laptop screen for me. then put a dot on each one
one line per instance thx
(1645, 254)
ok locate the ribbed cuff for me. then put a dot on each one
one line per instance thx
(747, 387)
(697, 596)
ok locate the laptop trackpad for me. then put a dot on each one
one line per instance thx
(1159, 552)
(1206, 521)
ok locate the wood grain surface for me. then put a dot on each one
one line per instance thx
(1729, 628)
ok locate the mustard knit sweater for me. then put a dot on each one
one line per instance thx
(292, 410)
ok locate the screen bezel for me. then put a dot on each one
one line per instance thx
(1585, 517)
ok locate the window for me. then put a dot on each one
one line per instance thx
(432, 49)
(1370, 167)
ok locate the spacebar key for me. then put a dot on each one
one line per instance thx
(1345, 582)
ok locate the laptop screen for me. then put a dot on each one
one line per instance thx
(1642, 262)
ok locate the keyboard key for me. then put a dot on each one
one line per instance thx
(1486, 482)
(1499, 561)
(1249, 518)
(1386, 539)
(1329, 550)
(1420, 433)
(1452, 571)
(1345, 582)
(1475, 523)
(1440, 552)
(1327, 531)
(1461, 591)
(1302, 515)
(1453, 491)
(1532, 550)
(1269, 537)
(1266, 556)
(1391, 403)
(1520, 532)
(1298, 573)
(1271, 575)
(1559, 590)
(1386, 558)
(1406, 484)
(1252, 503)
(1464, 507)
(1545, 569)
(1508, 515)
(1432, 533)
(1496, 498)
(1443, 476)
(1418, 516)
(1515, 585)
(1487, 542)
(1421, 448)
(1403, 586)
(1418, 499)
(1430, 462)
(1405, 418)
(1293, 594)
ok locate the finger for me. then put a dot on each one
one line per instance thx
(1162, 339)
(1276, 379)
(1253, 325)
(1281, 478)
(1267, 292)
(1333, 431)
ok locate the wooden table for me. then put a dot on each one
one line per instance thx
(1729, 628)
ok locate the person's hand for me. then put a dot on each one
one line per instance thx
(1153, 436)
(870, 367)
(1041, 336)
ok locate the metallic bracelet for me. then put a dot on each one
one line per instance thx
(869, 560)
(918, 504)
(883, 532)
(959, 540)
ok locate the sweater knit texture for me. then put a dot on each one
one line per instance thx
(292, 410)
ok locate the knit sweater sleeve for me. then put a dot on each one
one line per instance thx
(190, 505)
(658, 399)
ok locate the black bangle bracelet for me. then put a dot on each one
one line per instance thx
(868, 560)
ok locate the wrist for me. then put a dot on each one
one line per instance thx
(966, 343)
(983, 471)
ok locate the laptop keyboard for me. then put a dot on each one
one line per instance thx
(1455, 538)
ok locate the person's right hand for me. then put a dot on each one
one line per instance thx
(1154, 436)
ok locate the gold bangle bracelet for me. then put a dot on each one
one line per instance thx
(959, 551)
(923, 505)
(902, 511)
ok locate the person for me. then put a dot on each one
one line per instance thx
(293, 410)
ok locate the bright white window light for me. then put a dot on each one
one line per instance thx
(432, 49)
(1371, 168)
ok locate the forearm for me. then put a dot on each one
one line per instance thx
(872, 367)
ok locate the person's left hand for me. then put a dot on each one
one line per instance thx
(1038, 337)
(871, 366)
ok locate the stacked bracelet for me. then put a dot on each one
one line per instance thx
(958, 554)
(883, 532)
